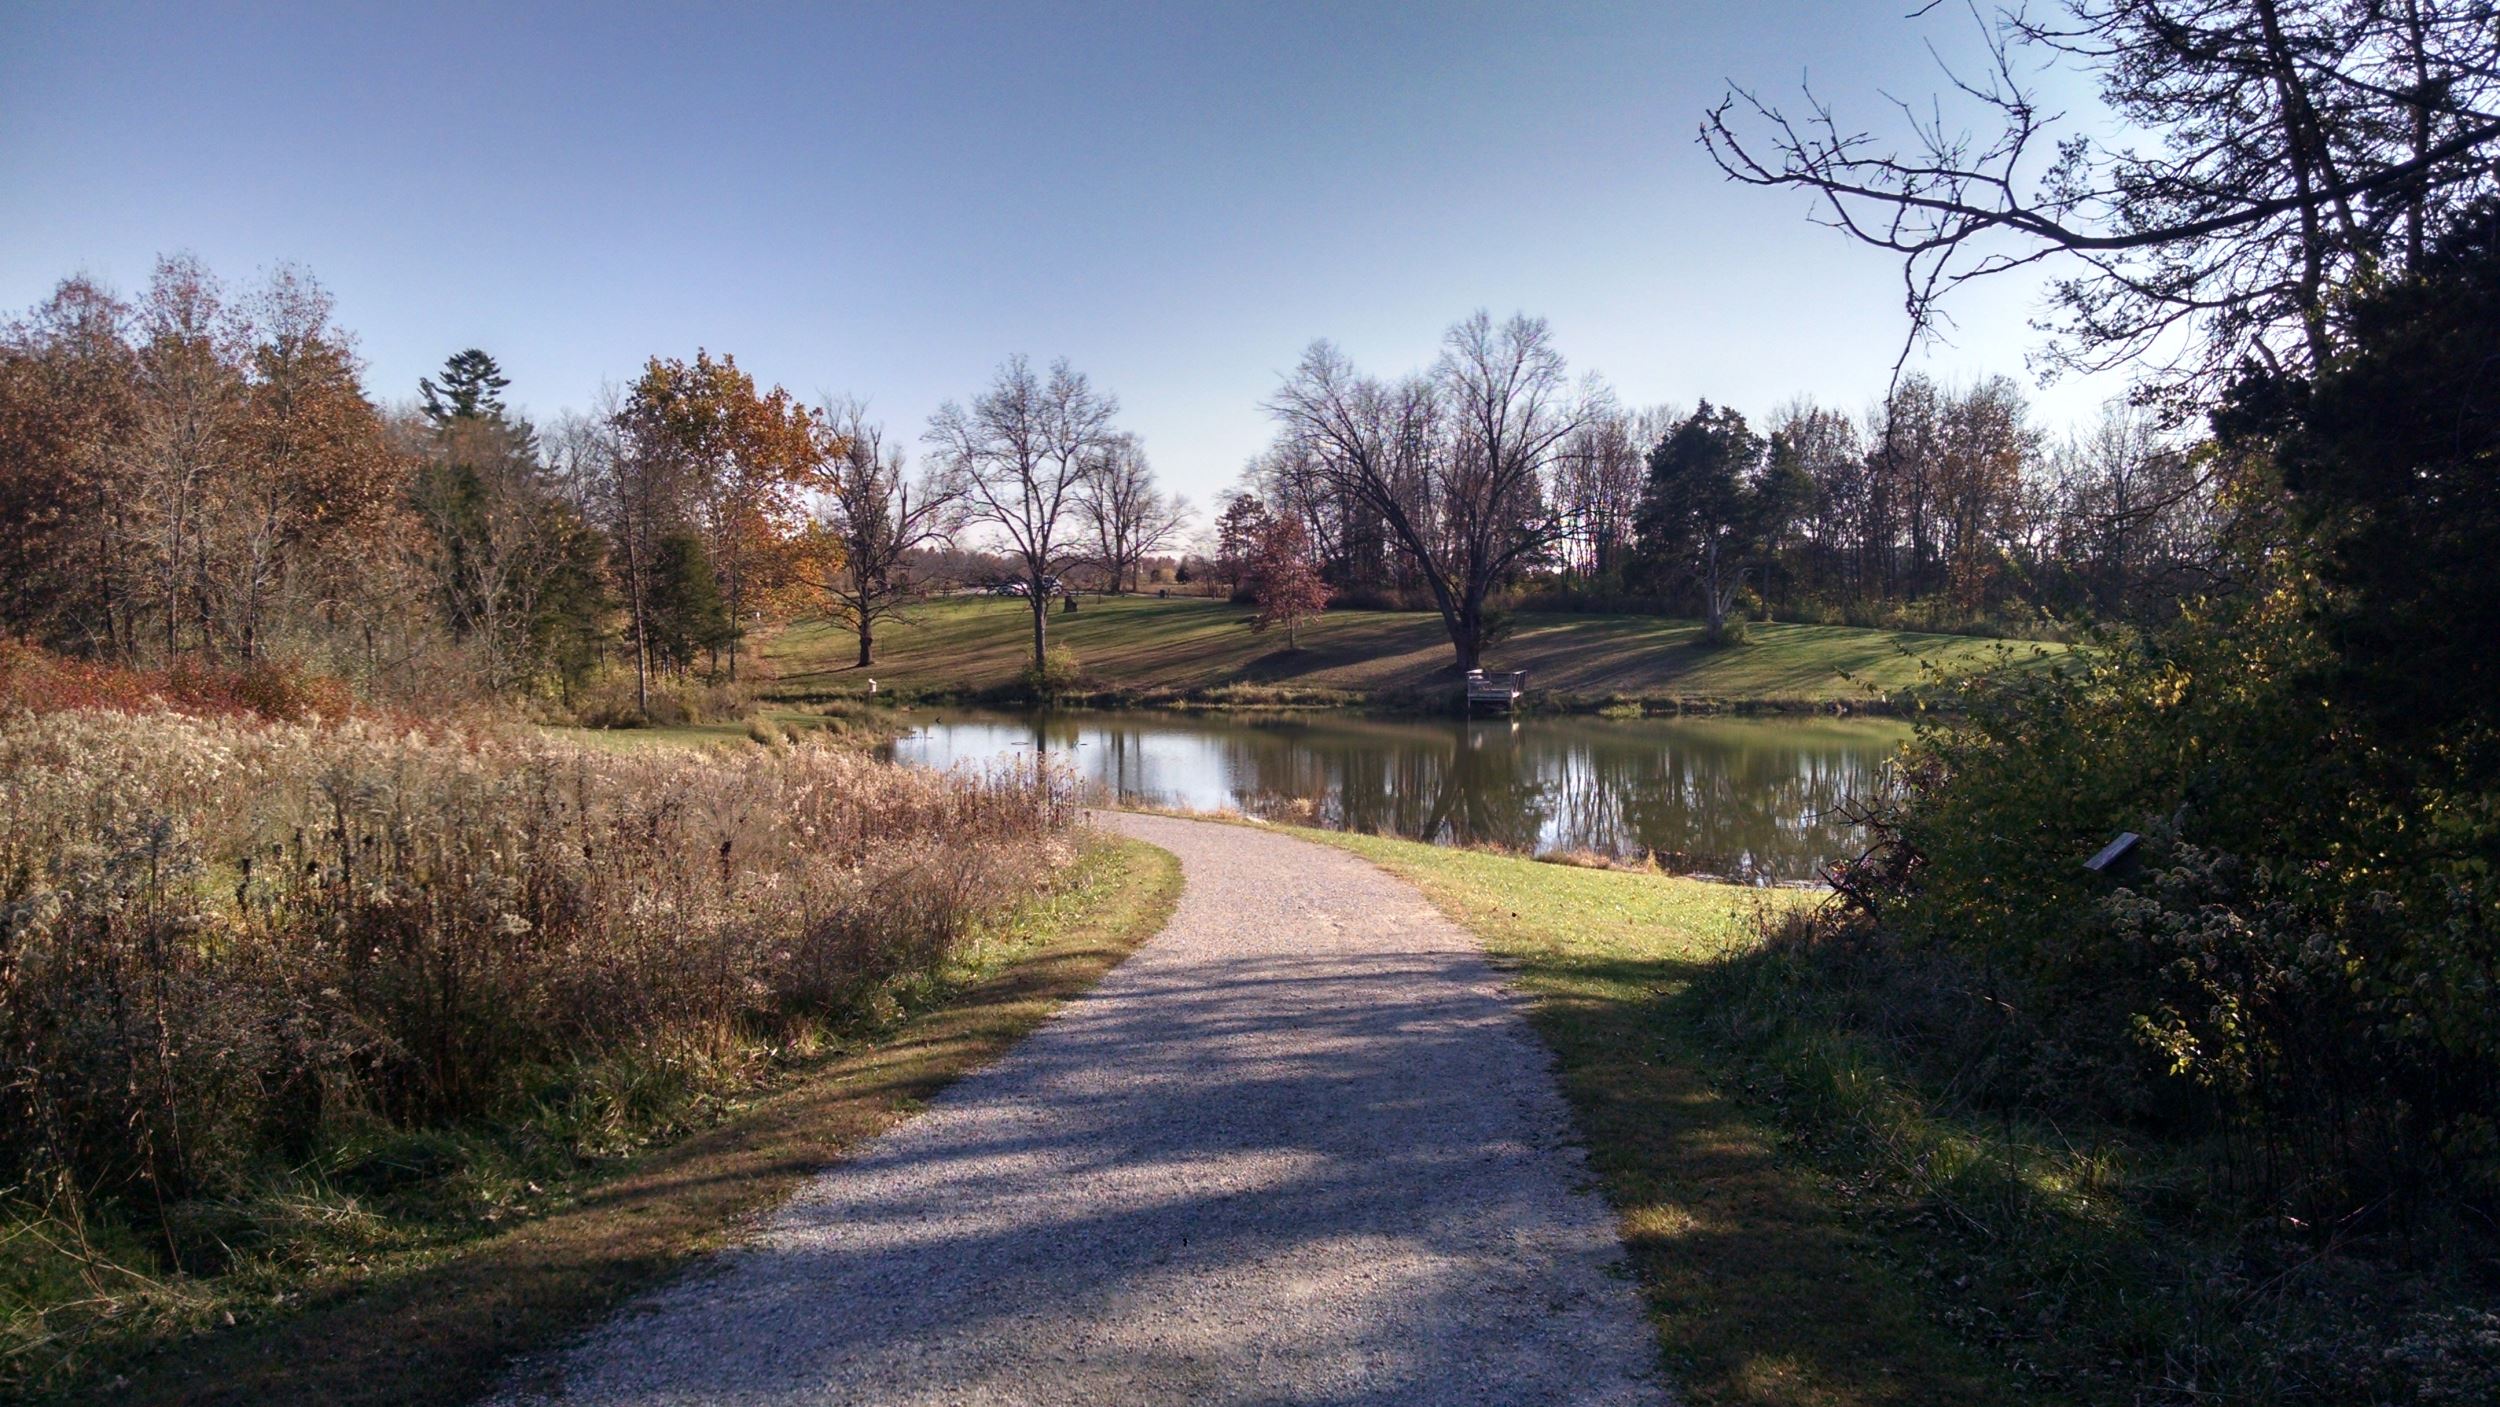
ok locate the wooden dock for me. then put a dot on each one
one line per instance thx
(1496, 691)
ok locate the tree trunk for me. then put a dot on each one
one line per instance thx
(642, 636)
(1041, 626)
(1712, 610)
(867, 639)
(1467, 637)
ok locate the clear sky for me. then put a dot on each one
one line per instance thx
(887, 200)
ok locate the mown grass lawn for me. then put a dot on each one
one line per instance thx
(1196, 646)
(1762, 1290)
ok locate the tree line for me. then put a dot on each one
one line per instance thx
(1493, 477)
(197, 478)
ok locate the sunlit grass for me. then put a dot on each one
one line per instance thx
(1196, 647)
(1763, 1288)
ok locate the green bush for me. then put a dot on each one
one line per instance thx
(1060, 675)
(2303, 964)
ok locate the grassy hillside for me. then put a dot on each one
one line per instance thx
(1174, 649)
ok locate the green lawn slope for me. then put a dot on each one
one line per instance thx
(1145, 649)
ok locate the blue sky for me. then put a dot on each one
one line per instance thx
(887, 200)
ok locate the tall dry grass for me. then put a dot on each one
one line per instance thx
(231, 946)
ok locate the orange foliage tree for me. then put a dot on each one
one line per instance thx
(1284, 579)
(732, 462)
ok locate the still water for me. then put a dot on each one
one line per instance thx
(1751, 798)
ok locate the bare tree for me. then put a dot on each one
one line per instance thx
(192, 349)
(1018, 459)
(1599, 490)
(877, 519)
(1455, 463)
(2276, 153)
(1130, 518)
(2138, 520)
(631, 483)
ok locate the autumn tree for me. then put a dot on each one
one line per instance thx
(191, 347)
(313, 523)
(1598, 490)
(733, 460)
(1456, 463)
(873, 517)
(1128, 517)
(2136, 515)
(68, 411)
(1018, 459)
(1822, 459)
(1284, 579)
(622, 468)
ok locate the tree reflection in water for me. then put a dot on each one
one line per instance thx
(1749, 797)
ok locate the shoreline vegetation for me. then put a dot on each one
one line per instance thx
(423, 1043)
(1199, 653)
(1768, 1148)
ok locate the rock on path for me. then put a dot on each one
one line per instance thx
(1298, 1149)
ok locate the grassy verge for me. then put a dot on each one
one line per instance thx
(842, 723)
(1143, 650)
(431, 1314)
(1764, 1285)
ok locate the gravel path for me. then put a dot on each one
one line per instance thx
(1298, 1149)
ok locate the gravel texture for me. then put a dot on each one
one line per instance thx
(1300, 1148)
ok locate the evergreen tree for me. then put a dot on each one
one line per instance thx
(471, 389)
(2392, 459)
(687, 617)
(574, 602)
(1702, 511)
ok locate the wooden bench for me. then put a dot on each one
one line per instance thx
(1501, 691)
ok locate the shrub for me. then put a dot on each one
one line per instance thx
(33, 680)
(1060, 674)
(2303, 964)
(610, 703)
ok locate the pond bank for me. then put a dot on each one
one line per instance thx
(1147, 652)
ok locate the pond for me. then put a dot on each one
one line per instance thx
(1749, 798)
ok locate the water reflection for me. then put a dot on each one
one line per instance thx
(1756, 798)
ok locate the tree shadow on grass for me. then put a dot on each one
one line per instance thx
(1764, 1291)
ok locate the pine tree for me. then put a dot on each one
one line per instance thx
(471, 389)
(687, 616)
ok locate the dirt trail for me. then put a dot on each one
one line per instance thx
(1298, 1149)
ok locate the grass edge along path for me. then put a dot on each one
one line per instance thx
(1761, 1289)
(445, 1332)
